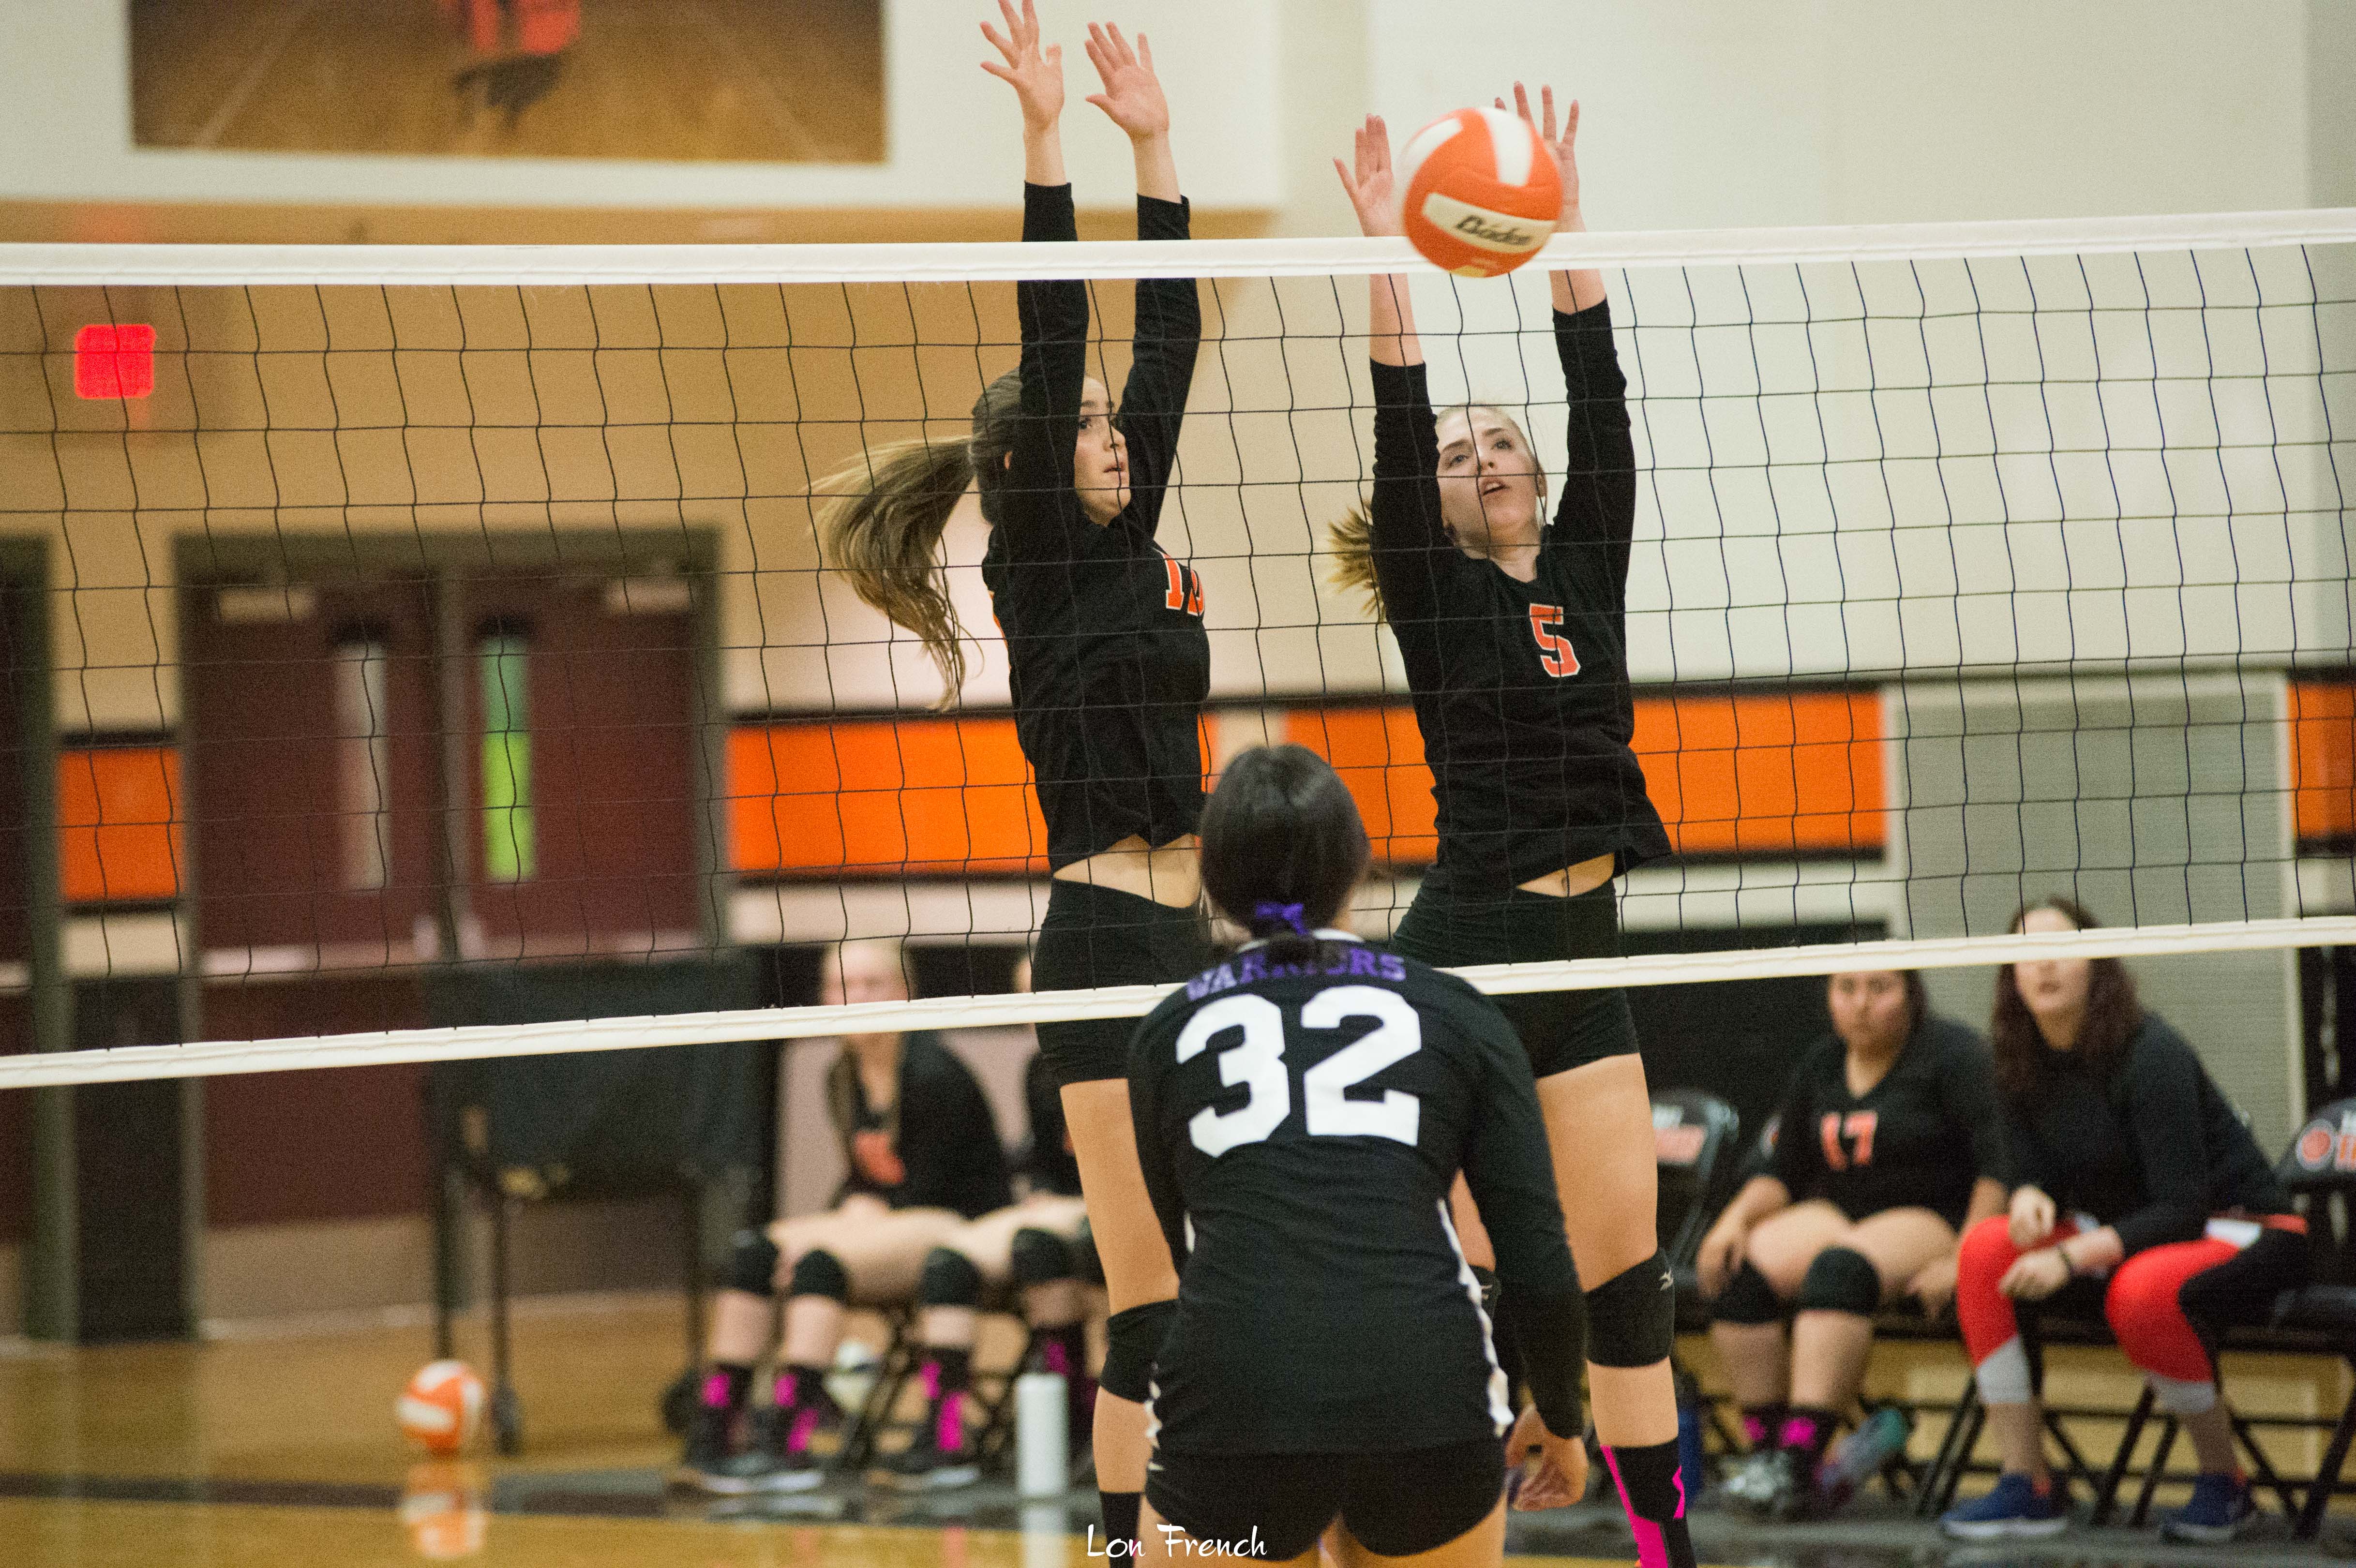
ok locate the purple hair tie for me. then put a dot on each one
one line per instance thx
(1269, 910)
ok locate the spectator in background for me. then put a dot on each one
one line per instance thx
(924, 1158)
(1887, 1147)
(1038, 1244)
(2140, 1189)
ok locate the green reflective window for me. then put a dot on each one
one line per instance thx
(509, 849)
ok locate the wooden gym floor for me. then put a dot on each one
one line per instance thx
(274, 1448)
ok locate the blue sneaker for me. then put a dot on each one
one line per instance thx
(2015, 1509)
(2220, 1510)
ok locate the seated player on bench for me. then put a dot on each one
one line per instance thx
(924, 1158)
(1038, 1243)
(1887, 1147)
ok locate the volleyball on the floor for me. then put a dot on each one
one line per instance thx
(1479, 192)
(442, 1409)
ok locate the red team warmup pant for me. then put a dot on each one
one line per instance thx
(2165, 1305)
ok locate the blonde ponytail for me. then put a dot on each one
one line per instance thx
(1351, 542)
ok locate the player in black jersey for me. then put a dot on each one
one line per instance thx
(1109, 663)
(1887, 1147)
(922, 1158)
(1514, 641)
(1303, 1110)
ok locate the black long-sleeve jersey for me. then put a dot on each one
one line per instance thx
(1104, 630)
(936, 1147)
(1048, 1161)
(1520, 689)
(1921, 1137)
(1300, 1127)
(2152, 1148)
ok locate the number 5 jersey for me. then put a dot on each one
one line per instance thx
(1300, 1127)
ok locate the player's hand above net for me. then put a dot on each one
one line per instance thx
(1563, 145)
(1132, 97)
(1035, 73)
(1369, 183)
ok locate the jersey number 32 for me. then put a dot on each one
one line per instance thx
(1257, 1062)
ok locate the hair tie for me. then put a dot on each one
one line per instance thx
(1269, 911)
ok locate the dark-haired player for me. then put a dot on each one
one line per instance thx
(1514, 639)
(1303, 1110)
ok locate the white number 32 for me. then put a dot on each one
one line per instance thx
(1257, 1062)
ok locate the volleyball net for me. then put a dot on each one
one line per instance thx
(407, 613)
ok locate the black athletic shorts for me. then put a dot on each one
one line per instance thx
(1099, 937)
(1560, 1030)
(1275, 1506)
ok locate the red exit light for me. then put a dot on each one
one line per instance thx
(114, 361)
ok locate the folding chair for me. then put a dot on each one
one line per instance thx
(1693, 1134)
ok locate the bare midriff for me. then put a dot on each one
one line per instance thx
(1171, 874)
(1572, 880)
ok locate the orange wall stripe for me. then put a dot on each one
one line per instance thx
(2323, 760)
(883, 795)
(1766, 776)
(119, 829)
(1747, 776)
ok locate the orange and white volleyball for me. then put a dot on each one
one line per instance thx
(441, 1408)
(1479, 192)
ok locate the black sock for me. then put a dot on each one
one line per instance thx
(956, 1368)
(1806, 1431)
(728, 1386)
(799, 1385)
(1120, 1519)
(1654, 1496)
(1761, 1425)
(1065, 1349)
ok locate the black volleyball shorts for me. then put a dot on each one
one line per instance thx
(1100, 936)
(1560, 1030)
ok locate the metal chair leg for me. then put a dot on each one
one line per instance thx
(2321, 1490)
(2156, 1474)
(1935, 1476)
(2107, 1496)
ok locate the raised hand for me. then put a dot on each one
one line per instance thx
(1562, 147)
(1369, 185)
(1133, 93)
(1037, 74)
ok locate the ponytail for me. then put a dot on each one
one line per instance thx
(880, 528)
(880, 524)
(1351, 542)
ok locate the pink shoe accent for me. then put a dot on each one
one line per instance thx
(805, 1428)
(948, 1424)
(788, 1390)
(1798, 1431)
(1652, 1549)
(715, 1391)
(1053, 1358)
(931, 1377)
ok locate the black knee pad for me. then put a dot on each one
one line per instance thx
(1747, 1298)
(1040, 1257)
(1842, 1279)
(752, 1265)
(1631, 1317)
(1087, 1267)
(820, 1273)
(949, 1279)
(1132, 1340)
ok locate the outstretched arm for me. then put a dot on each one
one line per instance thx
(1054, 313)
(1577, 291)
(1169, 311)
(1391, 314)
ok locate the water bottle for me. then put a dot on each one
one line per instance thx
(1860, 1455)
(1042, 1452)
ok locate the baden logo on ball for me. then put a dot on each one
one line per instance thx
(1479, 192)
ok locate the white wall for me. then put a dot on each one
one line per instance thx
(955, 142)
